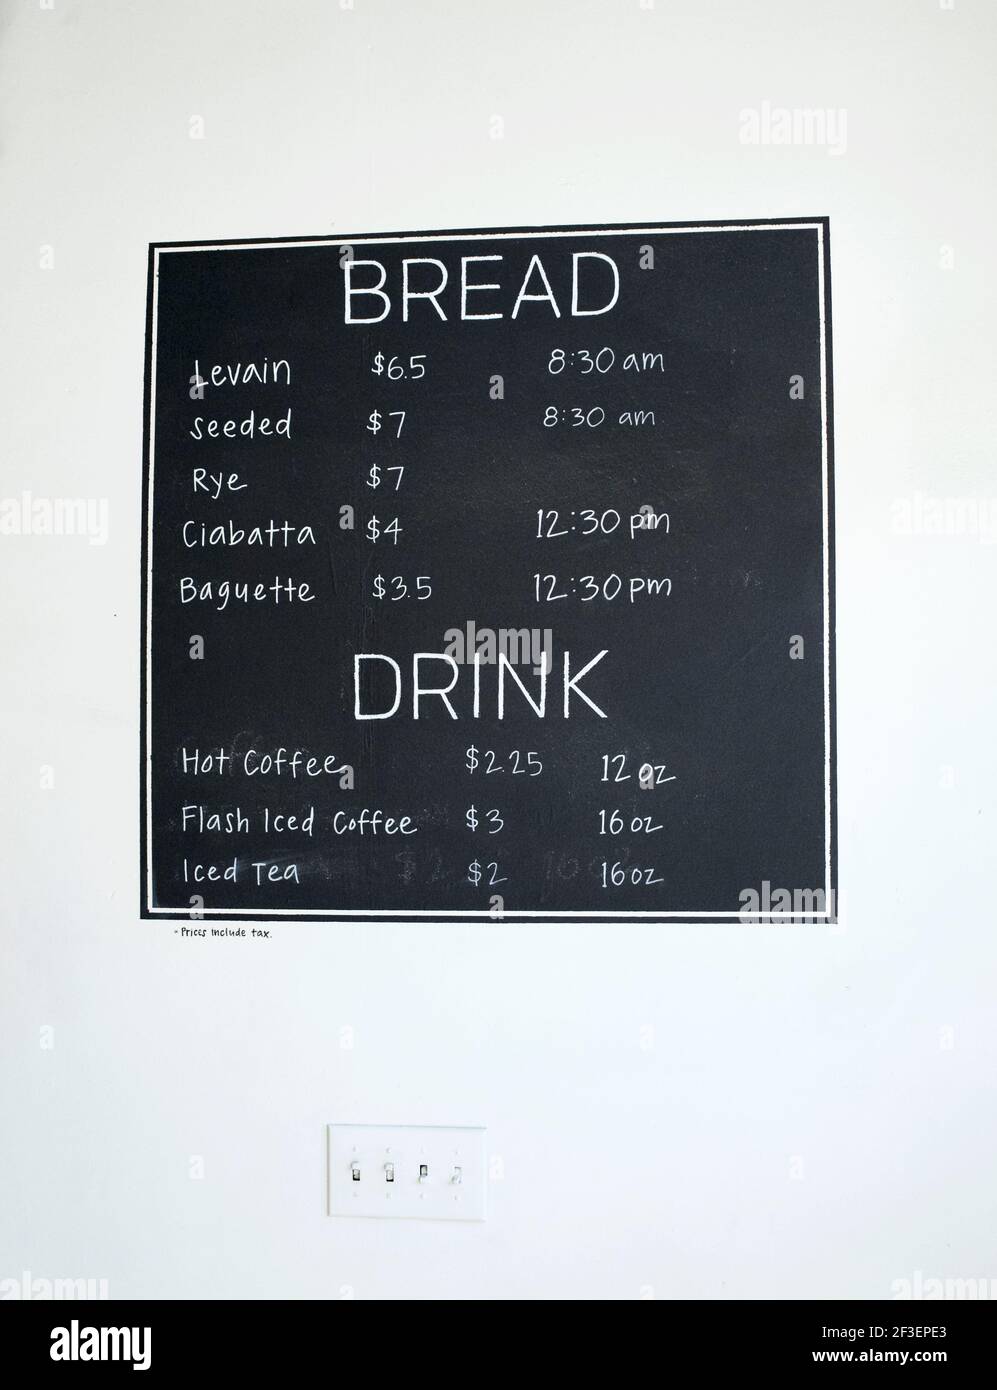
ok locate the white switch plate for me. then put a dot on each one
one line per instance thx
(452, 1188)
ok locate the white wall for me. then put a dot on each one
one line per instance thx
(625, 1166)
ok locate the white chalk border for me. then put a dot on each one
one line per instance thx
(151, 911)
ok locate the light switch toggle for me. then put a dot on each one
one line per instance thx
(456, 1175)
(424, 1172)
(389, 1172)
(355, 1171)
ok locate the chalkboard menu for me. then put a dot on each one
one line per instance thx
(488, 575)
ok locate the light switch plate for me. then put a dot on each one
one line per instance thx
(377, 1170)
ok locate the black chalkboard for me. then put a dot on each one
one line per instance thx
(489, 574)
